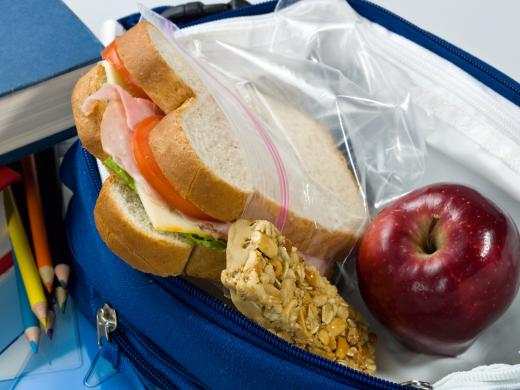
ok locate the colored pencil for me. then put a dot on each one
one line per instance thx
(62, 271)
(30, 322)
(22, 251)
(38, 230)
(7, 177)
(52, 201)
(51, 317)
(61, 297)
(6, 261)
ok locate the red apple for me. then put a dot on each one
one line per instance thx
(438, 266)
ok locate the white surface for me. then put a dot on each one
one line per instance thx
(487, 29)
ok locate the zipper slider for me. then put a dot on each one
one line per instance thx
(106, 322)
(421, 385)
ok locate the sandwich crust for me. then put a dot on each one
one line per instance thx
(190, 176)
(131, 241)
(150, 71)
(88, 126)
(205, 263)
(146, 251)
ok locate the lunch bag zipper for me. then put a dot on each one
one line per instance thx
(251, 332)
(124, 333)
(118, 331)
(259, 336)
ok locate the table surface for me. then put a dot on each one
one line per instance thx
(478, 26)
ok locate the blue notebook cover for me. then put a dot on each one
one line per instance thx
(39, 40)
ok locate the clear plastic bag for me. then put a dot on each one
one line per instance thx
(382, 98)
(293, 71)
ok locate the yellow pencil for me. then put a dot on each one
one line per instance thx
(31, 278)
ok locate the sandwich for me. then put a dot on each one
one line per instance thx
(179, 178)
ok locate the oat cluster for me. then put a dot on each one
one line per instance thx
(275, 288)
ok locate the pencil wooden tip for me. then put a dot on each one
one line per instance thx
(61, 297)
(47, 275)
(43, 321)
(49, 287)
(40, 311)
(62, 272)
(32, 335)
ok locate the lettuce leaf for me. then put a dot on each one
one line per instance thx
(123, 175)
(208, 242)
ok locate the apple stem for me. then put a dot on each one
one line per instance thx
(430, 240)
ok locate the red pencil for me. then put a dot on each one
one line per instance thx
(6, 262)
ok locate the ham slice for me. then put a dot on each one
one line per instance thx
(122, 115)
(116, 138)
(136, 109)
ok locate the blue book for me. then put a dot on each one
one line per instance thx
(44, 50)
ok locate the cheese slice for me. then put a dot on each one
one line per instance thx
(165, 219)
(112, 75)
(162, 218)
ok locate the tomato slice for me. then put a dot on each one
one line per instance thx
(110, 54)
(153, 174)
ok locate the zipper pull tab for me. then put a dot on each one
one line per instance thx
(421, 385)
(106, 322)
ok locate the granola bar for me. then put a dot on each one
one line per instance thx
(272, 285)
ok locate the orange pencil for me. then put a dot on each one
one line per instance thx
(39, 234)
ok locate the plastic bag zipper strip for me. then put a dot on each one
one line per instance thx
(271, 147)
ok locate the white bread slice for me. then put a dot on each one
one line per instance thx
(198, 151)
(124, 226)
(88, 126)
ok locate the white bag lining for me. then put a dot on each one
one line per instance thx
(475, 127)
